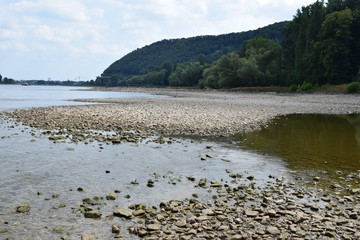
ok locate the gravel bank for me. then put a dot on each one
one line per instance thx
(188, 113)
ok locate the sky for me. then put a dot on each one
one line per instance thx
(79, 39)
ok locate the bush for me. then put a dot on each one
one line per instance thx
(353, 87)
(293, 88)
(306, 86)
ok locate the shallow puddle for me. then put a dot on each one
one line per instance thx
(311, 143)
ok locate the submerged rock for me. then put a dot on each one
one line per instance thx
(111, 196)
(91, 214)
(23, 209)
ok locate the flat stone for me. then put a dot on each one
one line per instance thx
(237, 237)
(138, 212)
(92, 201)
(208, 212)
(273, 230)
(58, 230)
(126, 213)
(88, 237)
(181, 223)
(92, 214)
(202, 218)
(153, 227)
(251, 213)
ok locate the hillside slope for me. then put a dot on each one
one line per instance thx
(210, 48)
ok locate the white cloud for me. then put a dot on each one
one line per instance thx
(54, 9)
(75, 32)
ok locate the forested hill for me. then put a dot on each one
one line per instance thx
(201, 48)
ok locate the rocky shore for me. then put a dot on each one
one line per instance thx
(240, 210)
(201, 113)
(237, 206)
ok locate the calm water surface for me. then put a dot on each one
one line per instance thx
(17, 96)
(310, 142)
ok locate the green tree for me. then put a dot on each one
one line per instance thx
(9, 81)
(335, 41)
(229, 71)
(250, 74)
(262, 61)
(186, 74)
(210, 77)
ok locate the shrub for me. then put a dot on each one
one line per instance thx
(293, 88)
(306, 86)
(353, 87)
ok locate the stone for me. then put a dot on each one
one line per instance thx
(4, 230)
(88, 237)
(202, 182)
(153, 227)
(92, 201)
(216, 185)
(58, 230)
(115, 229)
(314, 208)
(251, 213)
(271, 213)
(355, 191)
(92, 214)
(191, 178)
(250, 178)
(138, 212)
(111, 196)
(208, 212)
(272, 230)
(125, 213)
(181, 223)
(237, 237)
(23, 209)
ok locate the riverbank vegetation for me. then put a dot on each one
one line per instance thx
(319, 47)
(6, 80)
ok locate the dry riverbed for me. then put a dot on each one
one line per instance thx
(185, 112)
(237, 206)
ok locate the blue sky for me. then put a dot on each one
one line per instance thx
(78, 39)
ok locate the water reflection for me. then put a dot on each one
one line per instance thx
(310, 141)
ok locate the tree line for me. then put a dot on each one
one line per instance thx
(320, 45)
(6, 80)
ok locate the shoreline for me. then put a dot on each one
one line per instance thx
(203, 113)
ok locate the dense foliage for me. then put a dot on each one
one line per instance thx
(163, 57)
(321, 45)
(6, 80)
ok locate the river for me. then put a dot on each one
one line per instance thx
(47, 176)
